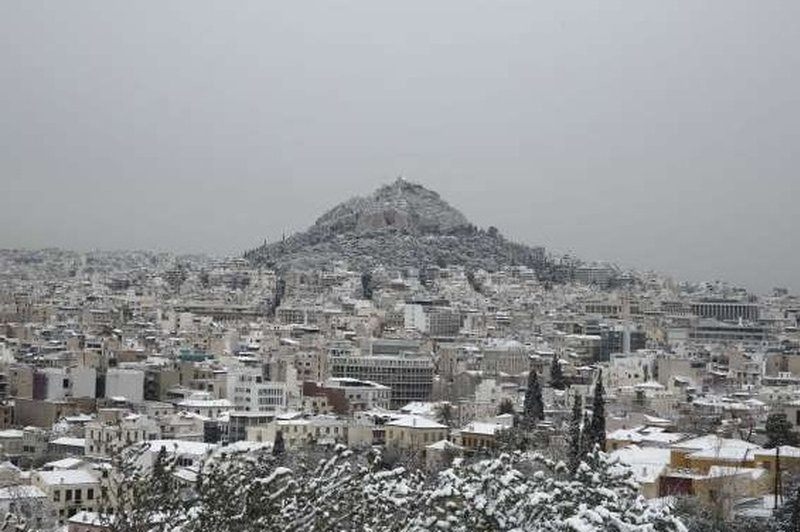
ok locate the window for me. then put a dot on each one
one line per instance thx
(68, 495)
(56, 495)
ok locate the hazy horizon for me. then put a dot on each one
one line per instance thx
(660, 136)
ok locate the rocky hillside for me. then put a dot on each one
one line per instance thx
(400, 225)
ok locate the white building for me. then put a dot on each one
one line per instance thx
(248, 391)
(322, 430)
(629, 369)
(70, 491)
(127, 383)
(203, 405)
(116, 429)
(65, 383)
(183, 426)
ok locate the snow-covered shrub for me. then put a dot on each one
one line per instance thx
(353, 492)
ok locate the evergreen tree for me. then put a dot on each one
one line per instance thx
(787, 516)
(142, 493)
(575, 450)
(278, 446)
(597, 427)
(444, 414)
(587, 445)
(366, 285)
(533, 410)
(246, 491)
(557, 380)
(506, 407)
(473, 282)
(779, 431)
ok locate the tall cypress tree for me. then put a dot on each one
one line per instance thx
(366, 285)
(587, 439)
(557, 380)
(597, 428)
(278, 446)
(575, 451)
(534, 406)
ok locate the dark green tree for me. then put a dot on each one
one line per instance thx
(445, 414)
(575, 449)
(506, 407)
(587, 447)
(366, 285)
(533, 410)
(779, 431)
(597, 426)
(787, 515)
(474, 283)
(141, 493)
(280, 290)
(278, 446)
(557, 380)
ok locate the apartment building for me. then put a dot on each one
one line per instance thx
(409, 375)
(70, 491)
(249, 391)
(116, 429)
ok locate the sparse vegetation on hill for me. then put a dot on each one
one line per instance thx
(401, 225)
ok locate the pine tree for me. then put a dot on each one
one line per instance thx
(533, 410)
(557, 380)
(779, 431)
(597, 427)
(506, 407)
(142, 493)
(445, 414)
(366, 285)
(575, 450)
(278, 446)
(787, 516)
(587, 445)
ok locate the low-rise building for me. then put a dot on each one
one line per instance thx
(205, 406)
(70, 491)
(479, 435)
(361, 394)
(116, 429)
(315, 430)
(414, 432)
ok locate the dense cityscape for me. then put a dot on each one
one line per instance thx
(393, 368)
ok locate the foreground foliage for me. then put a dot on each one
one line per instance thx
(347, 491)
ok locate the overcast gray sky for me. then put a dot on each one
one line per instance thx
(656, 134)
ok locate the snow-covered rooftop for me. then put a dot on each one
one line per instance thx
(67, 476)
(72, 442)
(646, 463)
(66, 463)
(205, 403)
(21, 492)
(180, 446)
(416, 422)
